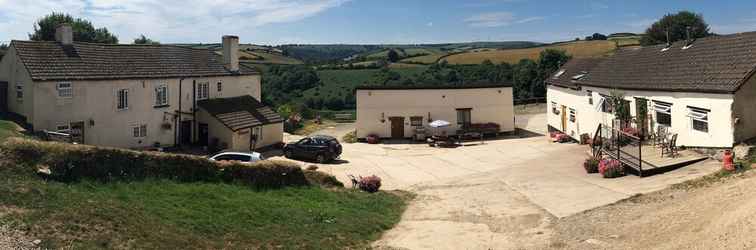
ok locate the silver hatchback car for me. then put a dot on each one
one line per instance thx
(244, 157)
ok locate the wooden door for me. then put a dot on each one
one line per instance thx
(397, 127)
(564, 119)
(185, 132)
(203, 134)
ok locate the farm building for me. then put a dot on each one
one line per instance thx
(701, 90)
(137, 96)
(397, 112)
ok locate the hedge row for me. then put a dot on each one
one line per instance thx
(70, 163)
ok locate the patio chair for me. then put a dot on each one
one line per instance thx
(660, 138)
(671, 147)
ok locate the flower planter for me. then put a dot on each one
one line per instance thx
(372, 139)
(591, 165)
(610, 168)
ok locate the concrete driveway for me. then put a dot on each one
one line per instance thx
(499, 194)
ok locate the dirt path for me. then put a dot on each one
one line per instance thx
(720, 215)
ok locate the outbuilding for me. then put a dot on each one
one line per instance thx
(400, 111)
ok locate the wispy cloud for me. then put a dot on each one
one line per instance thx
(497, 19)
(586, 16)
(166, 20)
(598, 6)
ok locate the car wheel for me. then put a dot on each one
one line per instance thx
(288, 154)
(321, 159)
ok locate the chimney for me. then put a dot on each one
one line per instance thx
(64, 34)
(231, 53)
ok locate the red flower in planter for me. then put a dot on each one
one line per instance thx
(611, 168)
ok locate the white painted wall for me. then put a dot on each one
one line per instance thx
(488, 105)
(721, 130)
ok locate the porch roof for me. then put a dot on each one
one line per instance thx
(240, 112)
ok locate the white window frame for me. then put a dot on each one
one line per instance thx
(590, 97)
(573, 115)
(219, 86)
(203, 90)
(139, 131)
(555, 108)
(662, 108)
(698, 115)
(161, 95)
(125, 105)
(20, 91)
(63, 90)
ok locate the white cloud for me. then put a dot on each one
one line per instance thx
(169, 20)
(429, 24)
(497, 19)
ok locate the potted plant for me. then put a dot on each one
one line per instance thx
(611, 168)
(591, 165)
(373, 139)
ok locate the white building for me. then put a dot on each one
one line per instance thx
(702, 90)
(137, 96)
(395, 111)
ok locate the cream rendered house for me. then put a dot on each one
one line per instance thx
(702, 90)
(137, 96)
(395, 112)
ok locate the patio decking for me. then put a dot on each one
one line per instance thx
(651, 159)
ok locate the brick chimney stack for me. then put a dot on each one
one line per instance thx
(64, 34)
(231, 52)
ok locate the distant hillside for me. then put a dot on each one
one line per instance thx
(326, 53)
(251, 54)
(578, 49)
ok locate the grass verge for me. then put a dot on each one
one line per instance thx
(164, 214)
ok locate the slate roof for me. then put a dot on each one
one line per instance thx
(240, 112)
(717, 64)
(573, 68)
(429, 86)
(48, 60)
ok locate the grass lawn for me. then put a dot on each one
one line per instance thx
(580, 49)
(8, 129)
(161, 214)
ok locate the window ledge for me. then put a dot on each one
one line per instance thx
(161, 106)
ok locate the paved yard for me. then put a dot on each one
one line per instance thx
(501, 194)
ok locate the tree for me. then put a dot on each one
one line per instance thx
(3, 49)
(144, 40)
(524, 75)
(677, 25)
(83, 30)
(393, 56)
(549, 62)
(596, 37)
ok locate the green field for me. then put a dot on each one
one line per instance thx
(338, 83)
(581, 49)
(8, 129)
(403, 53)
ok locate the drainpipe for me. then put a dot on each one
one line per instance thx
(176, 127)
(194, 109)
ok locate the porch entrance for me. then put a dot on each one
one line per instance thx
(185, 133)
(397, 127)
(77, 132)
(203, 134)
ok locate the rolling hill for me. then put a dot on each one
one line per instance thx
(578, 49)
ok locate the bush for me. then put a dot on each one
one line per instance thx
(370, 184)
(611, 168)
(350, 137)
(322, 179)
(591, 165)
(71, 163)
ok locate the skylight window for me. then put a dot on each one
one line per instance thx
(558, 74)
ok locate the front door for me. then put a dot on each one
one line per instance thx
(397, 127)
(77, 132)
(202, 133)
(186, 132)
(564, 119)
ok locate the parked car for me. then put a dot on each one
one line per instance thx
(244, 157)
(321, 148)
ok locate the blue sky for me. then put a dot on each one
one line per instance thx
(370, 21)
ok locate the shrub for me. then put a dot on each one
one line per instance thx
(591, 165)
(370, 184)
(611, 168)
(71, 163)
(322, 179)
